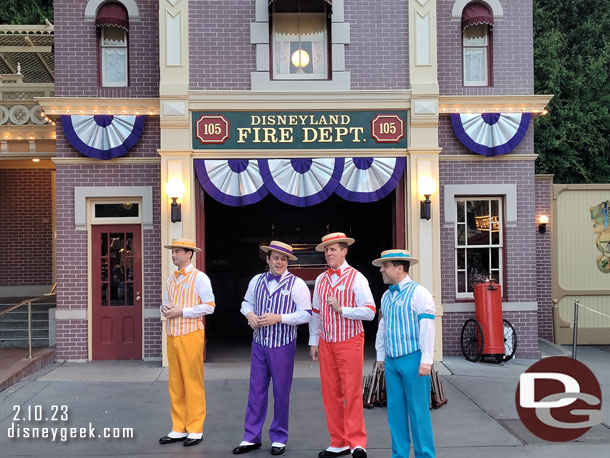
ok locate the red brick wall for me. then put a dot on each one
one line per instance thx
(543, 261)
(26, 225)
(76, 56)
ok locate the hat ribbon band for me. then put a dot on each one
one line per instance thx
(395, 255)
(282, 249)
(334, 238)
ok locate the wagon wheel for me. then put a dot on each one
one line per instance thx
(472, 340)
(510, 341)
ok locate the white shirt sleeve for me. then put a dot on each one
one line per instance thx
(380, 340)
(165, 301)
(302, 297)
(203, 288)
(365, 304)
(249, 301)
(314, 323)
(424, 305)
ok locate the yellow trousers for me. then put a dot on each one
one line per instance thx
(186, 391)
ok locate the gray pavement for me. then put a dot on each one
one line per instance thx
(480, 419)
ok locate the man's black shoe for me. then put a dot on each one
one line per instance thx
(168, 440)
(190, 442)
(359, 453)
(245, 448)
(328, 454)
(278, 450)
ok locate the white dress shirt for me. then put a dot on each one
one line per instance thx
(203, 288)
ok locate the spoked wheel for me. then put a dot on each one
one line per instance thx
(472, 340)
(510, 341)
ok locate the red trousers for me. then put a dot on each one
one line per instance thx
(341, 376)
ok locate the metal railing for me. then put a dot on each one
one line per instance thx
(29, 304)
(577, 305)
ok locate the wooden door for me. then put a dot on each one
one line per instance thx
(116, 292)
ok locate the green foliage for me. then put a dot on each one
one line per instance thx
(25, 12)
(571, 61)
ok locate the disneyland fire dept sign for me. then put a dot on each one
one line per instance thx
(299, 130)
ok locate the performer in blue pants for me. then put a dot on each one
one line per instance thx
(275, 304)
(405, 346)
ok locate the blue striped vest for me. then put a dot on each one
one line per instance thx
(281, 302)
(401, 322)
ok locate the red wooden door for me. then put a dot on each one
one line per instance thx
(117, 292)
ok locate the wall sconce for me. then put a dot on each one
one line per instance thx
(174, 190)
(426, 187)
(543, 220)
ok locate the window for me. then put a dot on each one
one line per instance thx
(299, 39)
(112, 23)
(478, 242)
(477, 24)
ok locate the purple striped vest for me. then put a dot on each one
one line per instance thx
(281, 302)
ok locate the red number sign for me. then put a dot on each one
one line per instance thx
(212, 129)
(387, 128)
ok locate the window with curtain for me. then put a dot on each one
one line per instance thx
(113, 28)
(478, 242)
(477, 22)
(299, 39)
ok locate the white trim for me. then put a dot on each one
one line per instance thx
(153, 312)
(130, 5)
(509, 191)
(82, 193)
(494, 5)
(506, 307)
(71, 314)
(24, 291)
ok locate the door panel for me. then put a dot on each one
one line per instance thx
(117, 285)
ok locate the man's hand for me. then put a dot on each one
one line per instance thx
(425, 369)
(172, 311)
(269, 319)
(252, 320)
(380, 365)
(313, 351)
(334, 303)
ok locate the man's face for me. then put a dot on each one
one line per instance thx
(181, 258)
(335, 255)
(390, 273)
(278, 263)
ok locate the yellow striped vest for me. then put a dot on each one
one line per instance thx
(182, 293)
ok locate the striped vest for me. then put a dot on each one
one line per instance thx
(401, 322)
(182, 293)
(280, 301)
(334, 327)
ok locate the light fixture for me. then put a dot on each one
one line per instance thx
(543, 220)
(426, 187)
(300, 59)
(174, 190)
(35, 159)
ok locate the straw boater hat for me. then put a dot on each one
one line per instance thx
(280, 247)
(335, 237)
(395, 255)
(187, 244)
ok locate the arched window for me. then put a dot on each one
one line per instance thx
(300, 32)
(112, 23)
(477, 24)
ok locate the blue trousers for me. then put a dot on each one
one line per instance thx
(409, 407)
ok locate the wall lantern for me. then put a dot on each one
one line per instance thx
(174, 190)
(426, 187)
(543, 220)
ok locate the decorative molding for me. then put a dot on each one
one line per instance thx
(93, 5)
(174, 108)
(506, 307)
(527, 103)
(173, 41)
(54, 106)
(478, 157)
(509, 191)
(283, 154)
(71, 314)
(115, 161)
(422, 41)
(494, 5)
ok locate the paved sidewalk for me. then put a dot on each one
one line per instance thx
(480, 419)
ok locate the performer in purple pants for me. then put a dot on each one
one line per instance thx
(275, 304)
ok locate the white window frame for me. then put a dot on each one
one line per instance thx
(500, 246)
(103, 57)
(485, 48)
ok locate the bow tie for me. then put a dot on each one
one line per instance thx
(270, 277)
(394, 288)
(178, 272)
(336, 272)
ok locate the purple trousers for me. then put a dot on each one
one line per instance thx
(266, 364)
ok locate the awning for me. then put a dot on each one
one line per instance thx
(490, 134)
(103, 136)
(299, 182)
(476, 14)
(112, 15)
(330, 2)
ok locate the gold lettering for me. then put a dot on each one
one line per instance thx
(256, 135)
(356, 131)
(322, 120)
(281, 120)
(286, 135)
(345, 120)
(333, 119)
(270, 135)
(242, 133)
(326, 134)
(306, 137)
(255, 120)
(293, 120)
(303, 118)
(340, 133)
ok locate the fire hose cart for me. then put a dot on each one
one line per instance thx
(489, 335)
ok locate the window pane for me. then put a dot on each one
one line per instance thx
(113, 36)
(124, 210)
(129, 294)
(495, 222)
(104, 269)
(475, 65)
(104, 294)
(461, 234)
(477, 218)
(461, 282)
(475, 35)
(115, 65)
(495, 258)
(460, 211)
(461, 258)
(478, 263)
